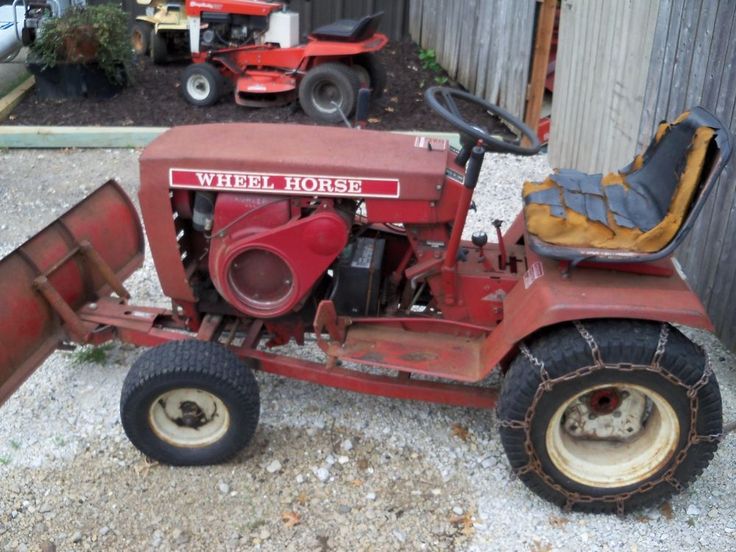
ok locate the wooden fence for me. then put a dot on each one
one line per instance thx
(600, 77)
(622, 67)
(692, 63)
(486, 45)
(314, 13)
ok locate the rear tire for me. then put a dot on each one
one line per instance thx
(190, 403)
(140, 38)
(202, 84)
(159, 48)
(369, 66)
(328, 89)
(606, 437)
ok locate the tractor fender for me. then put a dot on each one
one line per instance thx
(546, 296)
(328, 48)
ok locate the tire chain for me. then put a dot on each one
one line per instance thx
(547, 383)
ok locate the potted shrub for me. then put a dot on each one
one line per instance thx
(85, 52)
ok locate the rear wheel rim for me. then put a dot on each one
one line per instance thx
(189, 417)
(327, 96)
(198, 87)
(611, 436)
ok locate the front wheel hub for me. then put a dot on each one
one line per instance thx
(189, 417)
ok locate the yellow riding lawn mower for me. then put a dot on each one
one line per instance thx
(161, 32)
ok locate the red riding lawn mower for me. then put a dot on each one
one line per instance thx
(266, 233)
(255, 44)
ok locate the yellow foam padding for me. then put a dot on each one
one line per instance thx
(661, 131)
(684, 115)
(638, 162)
(615, 178)
(576, 230)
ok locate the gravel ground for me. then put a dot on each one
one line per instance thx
(328, 470)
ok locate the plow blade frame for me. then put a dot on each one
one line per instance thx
(83, 255)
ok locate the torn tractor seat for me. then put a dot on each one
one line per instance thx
(638, 214)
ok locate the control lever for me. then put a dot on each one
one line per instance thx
(502, 261)
(480, 239)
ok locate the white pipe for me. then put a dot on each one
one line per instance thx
(10, 29)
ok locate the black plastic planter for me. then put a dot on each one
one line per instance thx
(66, 80)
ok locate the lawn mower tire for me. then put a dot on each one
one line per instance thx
(327, 90)
(371, 72)
(609, 416)
(202, 84)
(159, 48)
(190, 403)
(140, 38)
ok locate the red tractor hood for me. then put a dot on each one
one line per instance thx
(231, 157)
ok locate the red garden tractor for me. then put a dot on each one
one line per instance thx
(262, 234)
(255, 44)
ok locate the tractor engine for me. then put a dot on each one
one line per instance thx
(230, 30)
(225, 30)
(265, 259)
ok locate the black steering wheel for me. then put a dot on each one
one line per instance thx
(442, 101)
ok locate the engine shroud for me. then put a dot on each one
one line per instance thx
(263, 261)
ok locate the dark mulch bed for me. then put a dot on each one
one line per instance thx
(154, 100)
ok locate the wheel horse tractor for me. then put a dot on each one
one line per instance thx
(255, 45)
(266, 233)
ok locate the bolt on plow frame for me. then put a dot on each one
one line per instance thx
(266, 234)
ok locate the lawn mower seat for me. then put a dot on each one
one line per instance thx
(350, 30)
(638, 214)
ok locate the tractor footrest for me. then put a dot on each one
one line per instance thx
(430, 353)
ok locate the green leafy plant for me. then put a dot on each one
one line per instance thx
(92, 355)
(428, 58)
(87, 35)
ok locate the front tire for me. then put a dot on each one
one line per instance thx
(597, 416)
(202, 84)
(328, 89)
(189, 403)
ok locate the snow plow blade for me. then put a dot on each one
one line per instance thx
(83, 255)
